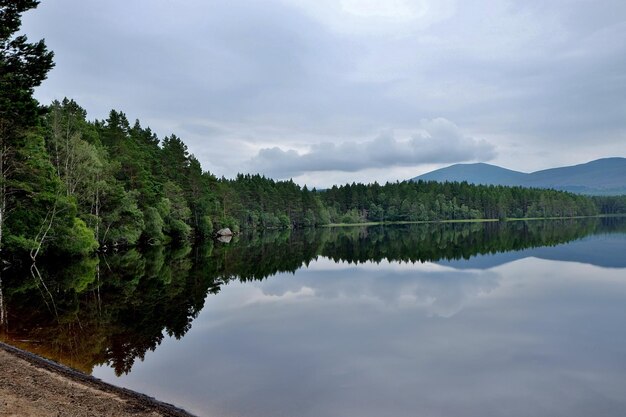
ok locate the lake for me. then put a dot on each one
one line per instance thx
(475, 319)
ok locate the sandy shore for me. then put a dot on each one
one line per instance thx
(33, 386)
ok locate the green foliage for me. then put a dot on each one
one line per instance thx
(205, 227)
(78, 240)
(43, 216)
(80, 274)
(433, 201)
(23, 66)
(178, 207)
(18, 243)
(121, 219)
(229, 222)
(175, 213)
(153, 226)
(352, 216)
(611, 204)
(179, 230)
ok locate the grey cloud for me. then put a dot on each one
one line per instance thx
(439, 141)
(541, 75)
(441, 293)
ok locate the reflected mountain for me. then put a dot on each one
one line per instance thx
(598, 250)
(114, 308)
(604, 248)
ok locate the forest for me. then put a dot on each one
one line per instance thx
(71, 186)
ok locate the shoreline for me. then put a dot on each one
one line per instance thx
(32, 385)
(510, 219)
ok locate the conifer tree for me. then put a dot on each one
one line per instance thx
(23, 66)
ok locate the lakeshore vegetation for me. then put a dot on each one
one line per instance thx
(70, 186)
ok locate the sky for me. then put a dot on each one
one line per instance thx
(335, 91)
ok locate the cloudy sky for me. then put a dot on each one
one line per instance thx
(329, 91)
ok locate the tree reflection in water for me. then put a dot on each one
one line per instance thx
(114, 308)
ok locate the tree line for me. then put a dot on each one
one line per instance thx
(71, 186)
(433, 201)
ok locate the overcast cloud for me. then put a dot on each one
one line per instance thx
(441, 141)
(332, 91)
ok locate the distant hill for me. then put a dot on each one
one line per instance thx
(600, 177)
(474, 173)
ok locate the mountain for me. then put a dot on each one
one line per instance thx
(474, 173)
(600, 177)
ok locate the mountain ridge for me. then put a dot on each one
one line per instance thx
(605, 176)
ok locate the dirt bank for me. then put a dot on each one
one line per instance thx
(32, 386)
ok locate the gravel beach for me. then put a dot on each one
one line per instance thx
(33, 386)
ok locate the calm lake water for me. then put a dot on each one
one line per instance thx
(493, 319)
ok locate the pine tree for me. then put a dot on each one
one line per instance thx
(23, 66)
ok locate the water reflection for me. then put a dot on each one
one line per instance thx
(366, 306)
(104, 310)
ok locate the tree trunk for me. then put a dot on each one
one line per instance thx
(97, 213)
(3, 185)
(43, 231)
(3, 307)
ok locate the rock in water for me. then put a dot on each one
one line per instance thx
(224, 232)
(225, 239)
